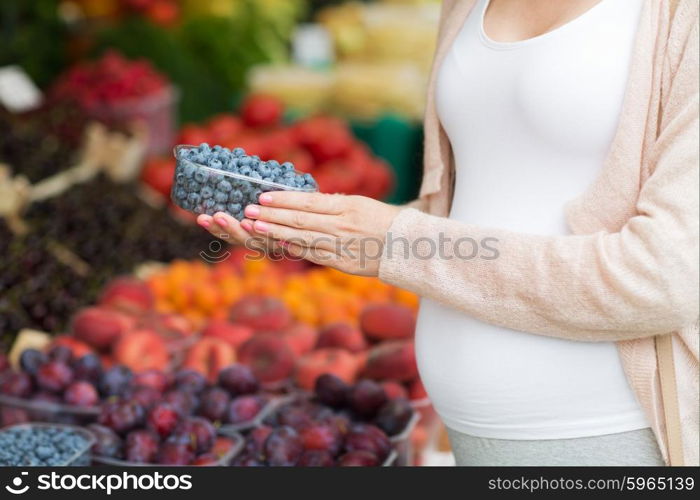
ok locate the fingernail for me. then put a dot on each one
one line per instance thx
(204, 223)
(252, 211)
(265, 198)
(261, 227)
(246, 225)
(221, 221)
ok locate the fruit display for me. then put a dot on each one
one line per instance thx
(41, 143)
(321, 146)
(341, 425)
(118, 91)
(110, 228)
(174, 420)
(38, 290)
(39, 445)
(317, 297)
(217, 179)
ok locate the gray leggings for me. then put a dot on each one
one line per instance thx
(626, 448)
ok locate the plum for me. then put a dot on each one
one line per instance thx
(122, 416)
(366, 397)
(393, 416)
(107, 442)
(367, 437)
(17, 384)
(200, 431)
(214, 403)
(163, 419)
(87, 367)
(283, 447)
(141, 446)
(115, 380)
(31, 359)
(81, 393)
(238, 380)
(175, 450)
(244, 409)
(190, 380)
(60, 353)
(143, 395)
(152, 378)
(54, 376)
(255, 442)
(322, 436)
(185, 402)
(331, 390)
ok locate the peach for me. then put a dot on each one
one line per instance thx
(394, 360)
(229, 332)
(394, 390)
(100, 327)
(388, 322)
(141, 350)
(209, 356)
(127, 294)
(343, 336)
(312, 365)
(269, 356)
(416, 390)
(300, 337)
(261, 313)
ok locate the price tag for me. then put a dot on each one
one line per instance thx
(18, 93)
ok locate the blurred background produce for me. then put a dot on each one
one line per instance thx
(106, 287)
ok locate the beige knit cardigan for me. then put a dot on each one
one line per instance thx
(630, 269)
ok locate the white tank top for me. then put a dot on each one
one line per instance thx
(530, 124)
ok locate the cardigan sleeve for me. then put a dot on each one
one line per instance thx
(637, 282)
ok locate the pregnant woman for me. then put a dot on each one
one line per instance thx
(555, 240)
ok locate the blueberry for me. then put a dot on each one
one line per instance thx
(273, 163)
(255, 157)
(245, 170)
(309, 179)
(245, 161)
(219, 207)
(288, 166)
(240, 215)
(234, 208)
(255, 175)
(204, 148)
(180, 194)
(231, 165)
(193, 186)
(188, 169)
(256, 194)
(206, 192)
(254, 164)
(224, 186)
(268, 179)
(264, 170)
(216, 164)
(220, 197)
(235, 196)
(201, 176)
(209, 203)
(238, 152)
(194, 198)
(216, 149)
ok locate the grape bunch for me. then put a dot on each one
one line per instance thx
(202, 185)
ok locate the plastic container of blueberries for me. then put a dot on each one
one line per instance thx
(211, 177)
(81, 458)
(270, 407)
(55, 413)
(236, 447)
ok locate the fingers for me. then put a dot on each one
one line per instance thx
(316, 255)
(225, 227)
(302, 237)
(291, 218)
(306, 202)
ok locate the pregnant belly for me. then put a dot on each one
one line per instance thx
(497, 382)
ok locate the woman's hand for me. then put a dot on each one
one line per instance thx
(223, 226)
(344, 232)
